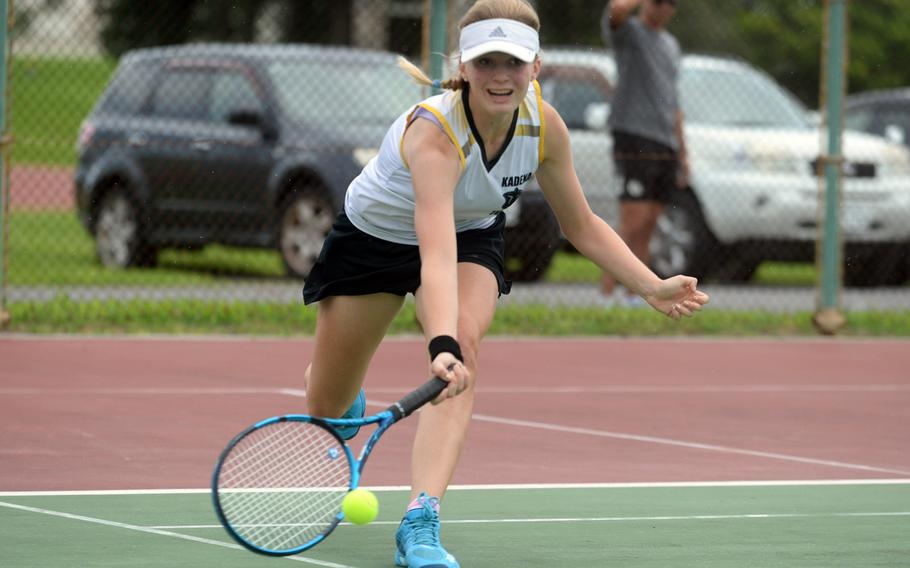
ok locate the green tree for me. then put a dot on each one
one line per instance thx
(129, 24)
(879, 36)
(785, 37)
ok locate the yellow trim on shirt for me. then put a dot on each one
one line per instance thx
(448, 129)
(542, 128)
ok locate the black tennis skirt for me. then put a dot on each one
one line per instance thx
(353, 263)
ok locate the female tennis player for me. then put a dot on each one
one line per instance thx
(425, 217)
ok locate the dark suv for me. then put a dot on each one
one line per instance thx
(245, 145)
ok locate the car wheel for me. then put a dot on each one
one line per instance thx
(531, 264)
(305, 221)
(736, 265)
(119, 242)
(681, 242)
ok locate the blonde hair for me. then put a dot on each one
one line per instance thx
(518, 10)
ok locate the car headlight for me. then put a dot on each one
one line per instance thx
(363, 155)
(896, 160)
(772, 159)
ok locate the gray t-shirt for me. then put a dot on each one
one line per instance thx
(646, 99)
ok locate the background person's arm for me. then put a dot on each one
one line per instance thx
(618, 11)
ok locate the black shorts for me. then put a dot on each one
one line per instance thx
(647, 169)
(353, 263)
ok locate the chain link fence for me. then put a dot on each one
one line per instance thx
(201, 149)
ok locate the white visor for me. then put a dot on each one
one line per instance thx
(506, 36)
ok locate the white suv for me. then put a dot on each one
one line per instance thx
(754, 192)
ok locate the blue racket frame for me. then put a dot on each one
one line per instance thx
(401, 409)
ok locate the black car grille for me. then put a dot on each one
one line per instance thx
(851, 169)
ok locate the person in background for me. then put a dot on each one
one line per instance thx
(425, 217)
(646, 124)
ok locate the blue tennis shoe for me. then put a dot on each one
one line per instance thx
(417, 539)
(355, 411)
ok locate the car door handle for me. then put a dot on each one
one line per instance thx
(201, 145)
(137, 140)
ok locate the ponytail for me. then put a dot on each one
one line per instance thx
(419, 77)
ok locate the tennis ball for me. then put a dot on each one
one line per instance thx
(360, 506)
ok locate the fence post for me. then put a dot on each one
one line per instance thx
(828, 317)
(4, 164)
(438, 9)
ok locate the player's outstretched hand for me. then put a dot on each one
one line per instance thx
(678, 296)
(447, 367)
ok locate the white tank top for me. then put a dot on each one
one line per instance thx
(380, 201)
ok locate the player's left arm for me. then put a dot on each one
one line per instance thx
(594, 238)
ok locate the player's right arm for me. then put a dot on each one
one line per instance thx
(435, 170)
(618, 11)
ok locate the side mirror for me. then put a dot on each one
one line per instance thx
(895, 134)
(252, 119)
(596, 115)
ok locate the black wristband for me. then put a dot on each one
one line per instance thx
(445, 344)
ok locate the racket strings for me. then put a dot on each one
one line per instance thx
(281, 486)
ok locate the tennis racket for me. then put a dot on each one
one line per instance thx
(279, 484)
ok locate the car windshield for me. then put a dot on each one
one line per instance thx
(736, 98)
(331, 94)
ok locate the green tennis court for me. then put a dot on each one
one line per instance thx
(777, 524)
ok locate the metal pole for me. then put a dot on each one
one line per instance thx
(4, 153)
(828, 317)
(438, 9)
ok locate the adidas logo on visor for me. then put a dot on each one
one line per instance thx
(498, 32)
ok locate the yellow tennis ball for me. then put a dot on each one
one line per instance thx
(360, 506)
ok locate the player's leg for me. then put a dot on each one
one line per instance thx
(348, 331)
(639, 218)
(442, 429)
(631, 160)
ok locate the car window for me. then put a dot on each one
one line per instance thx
(345, 94)
(737, 98)
(232, 91)
(571, 98)
(894, 123)
(129, 89)
(860, 119)
(182, 94)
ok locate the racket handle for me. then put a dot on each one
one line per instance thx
(417, 398)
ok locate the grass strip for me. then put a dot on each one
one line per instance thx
(186, 316)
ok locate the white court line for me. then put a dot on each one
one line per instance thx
(497, 420)
(605, 389)
(745, 516)
(165, 530)
(418, 339)
(131, 391)
(667, 441)
(159, 532)
(682, 443)
(644, 389)
(504, 487)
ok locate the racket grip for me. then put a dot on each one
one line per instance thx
(417, 398)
